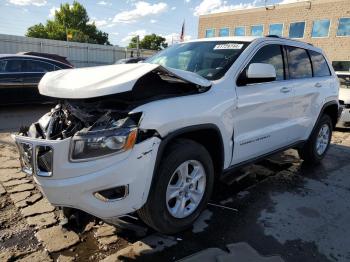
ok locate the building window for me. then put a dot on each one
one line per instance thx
(239, 31)
(320, 28)
(224, 32)
(276, 29)
(257, 30)
(296, 30)
(344, 27)
(209, 33)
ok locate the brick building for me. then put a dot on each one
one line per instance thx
(323, 23)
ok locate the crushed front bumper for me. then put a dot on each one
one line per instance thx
(75, 184)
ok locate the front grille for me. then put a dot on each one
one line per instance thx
(36, 160)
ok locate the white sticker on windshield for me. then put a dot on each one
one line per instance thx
(228, 46)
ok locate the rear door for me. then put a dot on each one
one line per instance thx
(311, 78)
(264, 110)
(33, 71)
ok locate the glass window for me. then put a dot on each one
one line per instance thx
(37, 66)
(298, 63)
(13, 66)
(344, 27)
(319, 64)
(2, 65)
(270, 54)
(239, 31)
(344, 80)
(341, 65)
(276, 29)
(257, 30)
(209, 33)
(210, 59)
(320, 28)
(224, 32)
(296, 30)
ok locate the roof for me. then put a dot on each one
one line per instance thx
(249, 39)
(32, 57)
(226, 38)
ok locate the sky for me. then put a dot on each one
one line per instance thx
(123, 19)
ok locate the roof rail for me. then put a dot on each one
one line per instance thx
(276, 36)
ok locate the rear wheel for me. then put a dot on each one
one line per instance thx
(181, 189)
(316, 147)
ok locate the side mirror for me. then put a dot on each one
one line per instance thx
(257, 73)
(261, 71)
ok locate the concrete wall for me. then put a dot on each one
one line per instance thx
(79, 54)
(336, 48)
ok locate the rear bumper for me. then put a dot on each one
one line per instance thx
(74, 184)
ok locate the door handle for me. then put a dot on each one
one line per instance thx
(318, 85)
(285, 89)
(17, 80)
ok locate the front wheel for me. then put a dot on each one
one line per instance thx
(318, 143)
(181, 189)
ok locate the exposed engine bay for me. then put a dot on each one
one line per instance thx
(79, 117)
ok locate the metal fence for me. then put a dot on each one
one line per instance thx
(79, 54)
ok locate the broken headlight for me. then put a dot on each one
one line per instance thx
(96, 144)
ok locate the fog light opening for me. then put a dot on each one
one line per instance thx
(113, 194)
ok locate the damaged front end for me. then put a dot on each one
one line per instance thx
(90, 152)
(95, 131)
(103, 125)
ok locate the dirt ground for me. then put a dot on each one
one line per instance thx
(281, 207)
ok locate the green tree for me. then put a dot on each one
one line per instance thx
(152, 42)
(71, 20)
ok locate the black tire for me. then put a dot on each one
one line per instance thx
(309, 152)
(155, 212)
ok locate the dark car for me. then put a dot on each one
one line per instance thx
(130, 60)
(55, 57)
(20, 76)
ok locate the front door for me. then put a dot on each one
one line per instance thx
(264, 110)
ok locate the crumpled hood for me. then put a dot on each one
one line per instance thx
(105, 80)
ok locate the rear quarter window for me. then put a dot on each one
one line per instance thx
(319, 64)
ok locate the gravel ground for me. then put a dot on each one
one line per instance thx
(280, 208)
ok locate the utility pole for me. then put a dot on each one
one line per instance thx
(138, 45)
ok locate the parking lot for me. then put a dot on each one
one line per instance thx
(281, 208)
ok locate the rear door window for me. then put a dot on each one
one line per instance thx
(37, 66)
(14, 66)
(3, 66)
(319, 64)
(299, 64)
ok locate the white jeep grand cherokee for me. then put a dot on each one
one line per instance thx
(153, 137)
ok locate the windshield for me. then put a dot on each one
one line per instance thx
(210, 60)
(344, 81)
